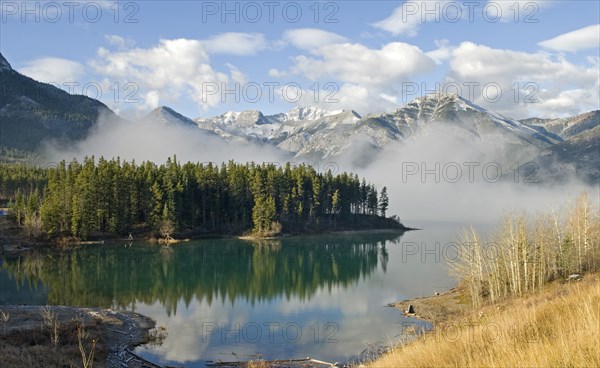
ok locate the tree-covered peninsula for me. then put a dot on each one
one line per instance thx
(99, 197)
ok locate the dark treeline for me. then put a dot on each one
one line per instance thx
(117, 197)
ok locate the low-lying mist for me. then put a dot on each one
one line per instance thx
(150, 139)
(445, 176)
(442, 175)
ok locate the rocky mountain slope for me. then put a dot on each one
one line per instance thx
(566, 128)
(167, 116)
(314, 133)
(578, 154)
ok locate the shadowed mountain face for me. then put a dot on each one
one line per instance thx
(579, 155)
(566, 128)
(32, 112)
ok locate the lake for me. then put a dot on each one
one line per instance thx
(319, 296)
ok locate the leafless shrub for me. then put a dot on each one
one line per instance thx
(87, 359)
(52, 323)
(4, 318)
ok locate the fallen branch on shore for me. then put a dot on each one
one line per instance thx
(288, 363)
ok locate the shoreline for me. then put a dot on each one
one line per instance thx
(436, 309)
(332, 232)
(524, 327)
(121, 332)
(17, 243)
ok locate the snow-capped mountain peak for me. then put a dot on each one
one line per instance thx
(307, 113)
(242, 118)
(437, 101)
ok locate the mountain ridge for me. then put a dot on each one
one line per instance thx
(33, 112)
(318, 133)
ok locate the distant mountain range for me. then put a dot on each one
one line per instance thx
(578, 151)
(32, 112)
(309, 132)
(559, 147)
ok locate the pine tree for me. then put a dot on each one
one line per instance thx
(372, 200)
(156, 205)
(336, 202)
(166, 224)
(364, 195)
(19, 208)
(383, 201)
(263, 214)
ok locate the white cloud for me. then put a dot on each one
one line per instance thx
(151, 100)
(236, 74)
(531, 84)
(235, 43)
(405, 19)
(580, 39)
(356, 63)
(365, 79)
(570, 100)
(442, 53)
(276, 73)
(53, 70)
(348, 96)
(166, 72)
(311, 38)
(120, 42)
(391, 99)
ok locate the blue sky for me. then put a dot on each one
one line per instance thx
(372, 56)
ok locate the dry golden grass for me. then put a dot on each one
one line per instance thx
(258, 364)
(35, 348)
(557, 327)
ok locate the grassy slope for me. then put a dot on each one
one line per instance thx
(558, 327)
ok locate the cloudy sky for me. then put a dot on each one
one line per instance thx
(521, 58)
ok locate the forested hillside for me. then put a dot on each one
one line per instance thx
(32, 112)
(98, 197)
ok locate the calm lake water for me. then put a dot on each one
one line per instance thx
(317, 296)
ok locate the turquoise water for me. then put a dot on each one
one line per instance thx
(229, 300)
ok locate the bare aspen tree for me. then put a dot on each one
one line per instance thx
(527, 253)
(558, 255)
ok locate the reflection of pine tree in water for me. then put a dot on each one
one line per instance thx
(115, 276)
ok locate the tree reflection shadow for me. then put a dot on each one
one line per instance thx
(226, 270)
